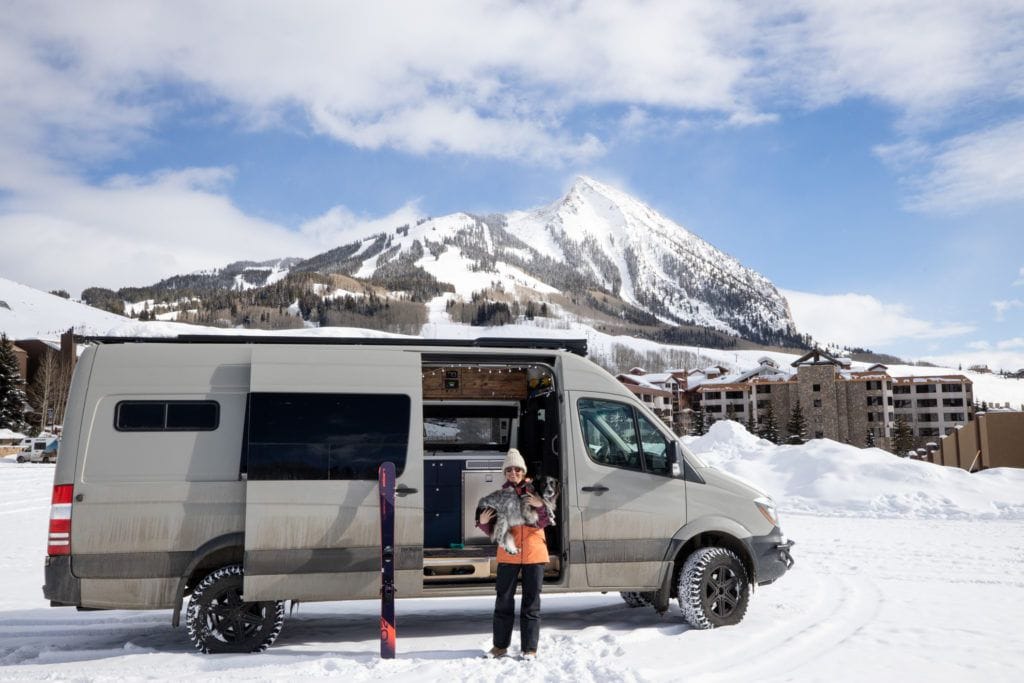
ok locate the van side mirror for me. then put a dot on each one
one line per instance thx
(675, 459)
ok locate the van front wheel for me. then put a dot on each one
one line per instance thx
(219, 620)
(713, 588)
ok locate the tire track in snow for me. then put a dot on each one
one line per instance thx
(845, 605)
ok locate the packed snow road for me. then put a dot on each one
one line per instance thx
(883, 599)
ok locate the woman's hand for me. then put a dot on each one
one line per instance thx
(534, 500)
(486, 515)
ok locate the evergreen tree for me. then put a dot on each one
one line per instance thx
(797, 426)
(770, 428)
(902, 437)
(698, 426)
(751, 425)
(730, 414)
(12, 394)
(869, 442)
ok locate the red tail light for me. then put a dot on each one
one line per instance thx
(59, 542)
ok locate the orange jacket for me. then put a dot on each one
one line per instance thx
(533, 549)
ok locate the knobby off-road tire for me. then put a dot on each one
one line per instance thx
(713, 588)
(635, 598)
(219, 621)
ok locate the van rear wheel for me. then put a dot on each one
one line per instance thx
(635, 598)
(713, 588)
(219, 620)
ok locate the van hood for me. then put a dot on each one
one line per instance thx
(731, 483)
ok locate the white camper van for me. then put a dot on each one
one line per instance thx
(242, 472)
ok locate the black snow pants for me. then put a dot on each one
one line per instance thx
(529, 610)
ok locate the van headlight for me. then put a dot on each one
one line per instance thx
(767, 508)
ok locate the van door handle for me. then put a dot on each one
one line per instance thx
(598, 488)
(403, 490)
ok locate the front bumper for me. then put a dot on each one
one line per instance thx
(62, 588)
(771, 556)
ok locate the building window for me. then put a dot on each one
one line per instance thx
(902, 403)
(952, 403)
(734, 395)
(712, 395)
(889, 400)
(927, 403)
(901, 390)
(925, 389)
(325, 436)
(874, 400)
(815, 387)
(928, 431)
(713, 409)
(166, 416)
(874, 385)
(888, 385)
(763, 405)
(817, 403)
(928, 417)
(871, 417)
(953, 388)
(764, 389)
(954, 417)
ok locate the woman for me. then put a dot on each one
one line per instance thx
(529, 562)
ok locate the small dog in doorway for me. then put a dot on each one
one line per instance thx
(512, 510)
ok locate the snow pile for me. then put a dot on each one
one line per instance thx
(824, 477)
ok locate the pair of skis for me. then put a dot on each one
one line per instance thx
(386, 485)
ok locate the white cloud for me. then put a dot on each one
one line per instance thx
(862, 320)
(1008, 344)
(494, 79)
(1009, 360)
(1020, 280)
(984, 167)
(339, 225)
(1003, 306)
(134, 231)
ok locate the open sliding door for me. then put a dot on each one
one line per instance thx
(320, 420)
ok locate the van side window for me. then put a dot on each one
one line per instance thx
(166, 416)
(610, 431)
(655, 447)
(325, 436)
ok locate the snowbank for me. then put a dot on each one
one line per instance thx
(829, 478)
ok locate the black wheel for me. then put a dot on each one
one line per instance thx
(635, 598)
(21, 458)
(219, 620)
(713, 588)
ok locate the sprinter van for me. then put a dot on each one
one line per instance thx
(242, 472)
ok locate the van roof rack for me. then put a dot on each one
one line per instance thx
(577, 346)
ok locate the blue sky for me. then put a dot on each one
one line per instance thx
(867, 157)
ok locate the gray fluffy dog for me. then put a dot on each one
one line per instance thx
(512, 510)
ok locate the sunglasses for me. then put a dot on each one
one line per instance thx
(514, 469)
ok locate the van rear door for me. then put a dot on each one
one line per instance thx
(319, 422)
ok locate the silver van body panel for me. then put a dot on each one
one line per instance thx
(146, 502)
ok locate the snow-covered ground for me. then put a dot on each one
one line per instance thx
(905, 571)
